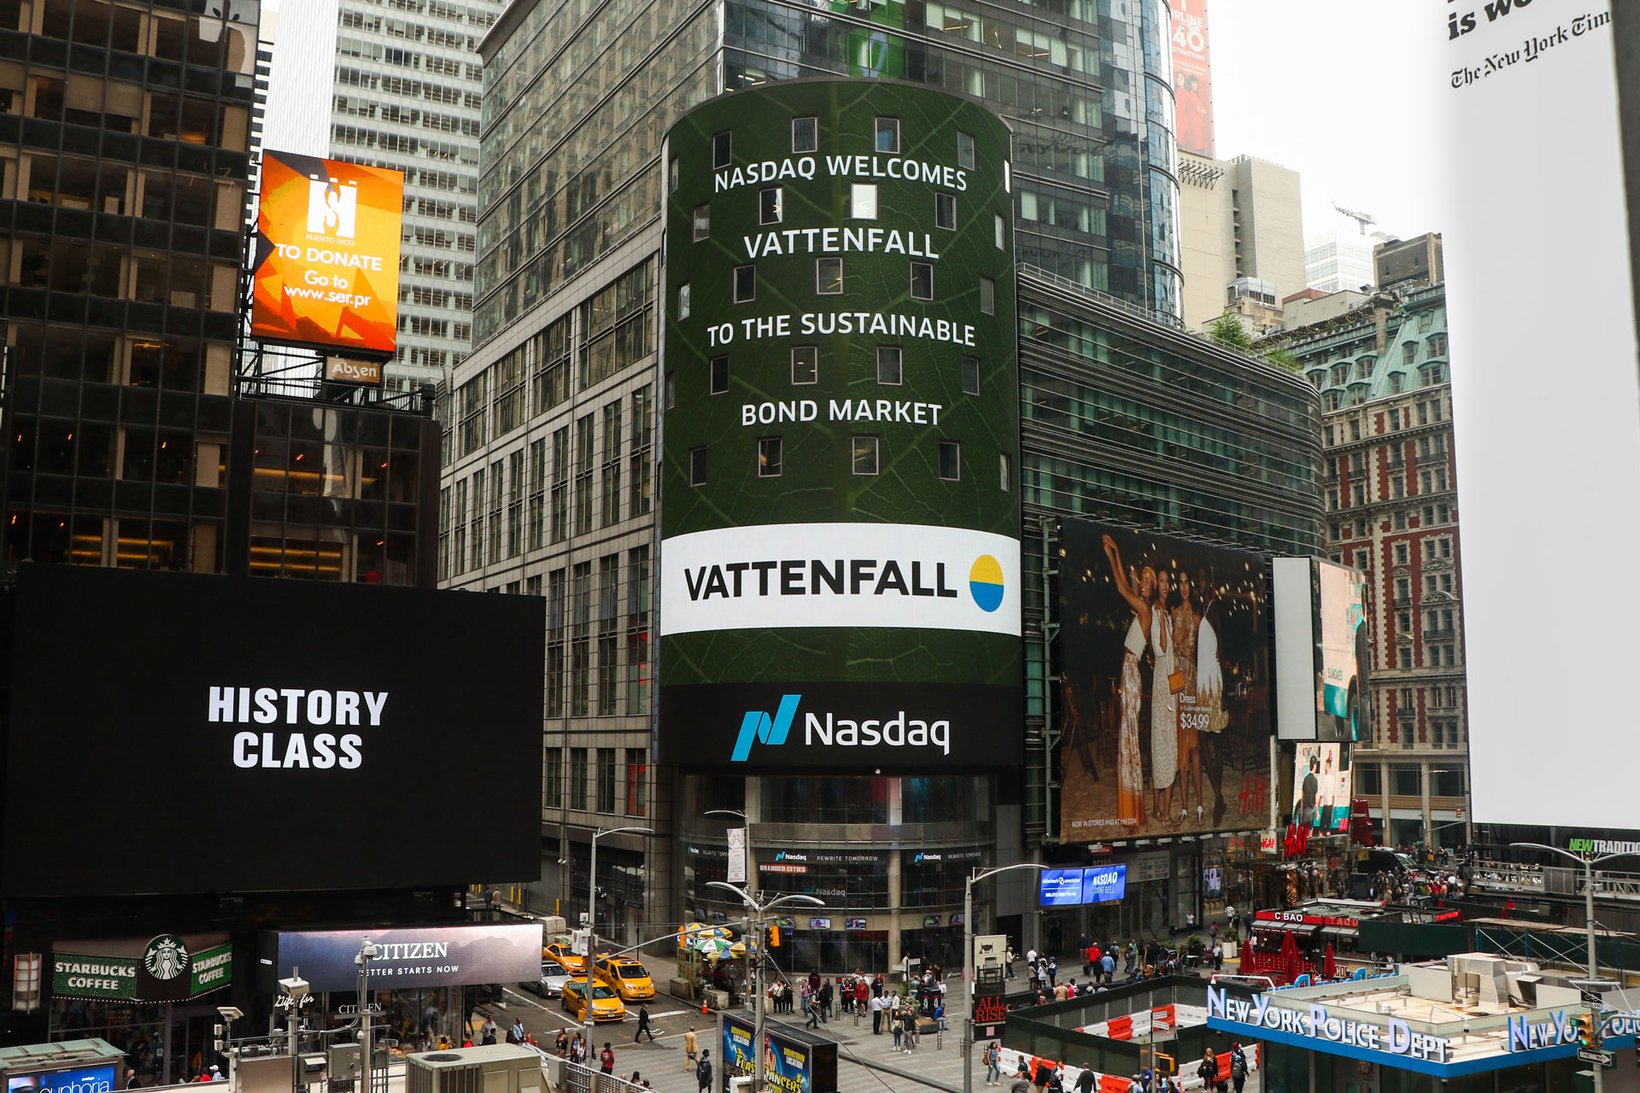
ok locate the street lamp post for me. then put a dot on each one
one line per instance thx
(1588, 863)
(746, 867)
(592, 925)
(367, 952)
(968, 969)
(758, 912)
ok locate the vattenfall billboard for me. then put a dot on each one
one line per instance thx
(840, 562)
(327, 254)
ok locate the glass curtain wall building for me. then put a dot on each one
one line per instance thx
(554, 412)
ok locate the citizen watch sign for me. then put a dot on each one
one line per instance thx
(847, 726)
(172, 700)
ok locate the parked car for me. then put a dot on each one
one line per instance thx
(553, 977)
(605, 1005)
(629, 978)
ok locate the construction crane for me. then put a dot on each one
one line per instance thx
(1362, 219)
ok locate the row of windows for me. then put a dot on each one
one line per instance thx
(805, 132)
(559, 791)
(862, 205)
(805, 370)
(828, 281)
(865, 459)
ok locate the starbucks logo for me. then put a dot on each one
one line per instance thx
(166, 957)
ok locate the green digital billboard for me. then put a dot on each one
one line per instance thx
(840, 521)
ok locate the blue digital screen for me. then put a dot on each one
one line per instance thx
(1061, 887)
(93, 1079)
(1104, 883)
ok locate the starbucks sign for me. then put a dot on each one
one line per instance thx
(165, 968)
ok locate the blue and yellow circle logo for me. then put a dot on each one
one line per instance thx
(985, 582)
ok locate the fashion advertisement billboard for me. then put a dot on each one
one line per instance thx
(1164, 685)
(290, 717)
(326, 269)
(1502, 71)
(1323, 650)
(840, 560)
(1192, 78)
(1321, 788)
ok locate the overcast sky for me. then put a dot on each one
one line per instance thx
(1339, 92)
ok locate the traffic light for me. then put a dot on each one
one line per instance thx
(774, 936)
(1585, 1031)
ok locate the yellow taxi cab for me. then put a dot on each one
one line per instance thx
(605, 1005)
(563, 954)
(629, 977)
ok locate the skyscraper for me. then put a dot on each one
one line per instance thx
(398, 85)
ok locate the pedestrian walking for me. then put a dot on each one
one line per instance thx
(1044, 1075)
(643, 1024)
(487, 1031)
(897, 1029)
(993, 1063)
(703, 1070)
(691, 1049)
(1238, 1066)
(606, 1059)
(1107, 967)
(1208, 1071)
(1053, 971)
(1084, 1080)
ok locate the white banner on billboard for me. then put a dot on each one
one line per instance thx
(903, 576)
(1546, 402)
(737, 855)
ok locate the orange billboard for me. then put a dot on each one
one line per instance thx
(327, 254)
(1192, 78)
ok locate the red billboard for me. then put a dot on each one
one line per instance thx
(1192, 78)
(327, 254)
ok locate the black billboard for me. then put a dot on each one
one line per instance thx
(842, 726)
(406, 956)
(263, 734)
(1164, 685)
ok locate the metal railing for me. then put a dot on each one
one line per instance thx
(567, 1077)
(1520, 877)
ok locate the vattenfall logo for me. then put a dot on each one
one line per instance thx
(895, 731)
(844, 577)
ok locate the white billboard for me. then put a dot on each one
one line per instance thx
(1547, 403)
(774, 576)
(1323, 645)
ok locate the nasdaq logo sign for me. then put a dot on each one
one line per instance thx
(759, 726)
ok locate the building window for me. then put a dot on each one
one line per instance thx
(970, 375)
(805, 134)
(965, 149)
(866, 451)
(888, 135)
(805, 365)
(1402, 554)
(606, 779)
(702, 223)
(922, 280)
(1369, 780)
(552, 786)
(683, 302)
(945, 211)
(828, 276)
(578, 779)
(745, 284)
(1005, 472)
(637, 781)
(697, 466)
(672, 175)
(1409, 352)
(718, 375)
(890, 365)
(998, 230)
(987, 296)
(671, 390)
(862, 201)
(769, 453)
(769, 205)
(723, 150)
(950, 460)
(1405, 780)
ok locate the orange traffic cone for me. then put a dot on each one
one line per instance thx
(704, 1008)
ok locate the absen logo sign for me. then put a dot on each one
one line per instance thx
(895, 731)
(898, 576)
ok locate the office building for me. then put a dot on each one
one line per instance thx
(1241, 239)
(397, 85)
(553, 422)
(1338, 260)
(1383, 373)
(1408, 262)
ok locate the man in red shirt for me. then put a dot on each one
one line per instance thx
(1093, 959)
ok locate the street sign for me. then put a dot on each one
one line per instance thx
(1595, 1055)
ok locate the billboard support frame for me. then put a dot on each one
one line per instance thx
(1048, 529)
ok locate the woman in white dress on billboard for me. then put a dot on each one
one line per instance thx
(1130, 776)
(1164, 712)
